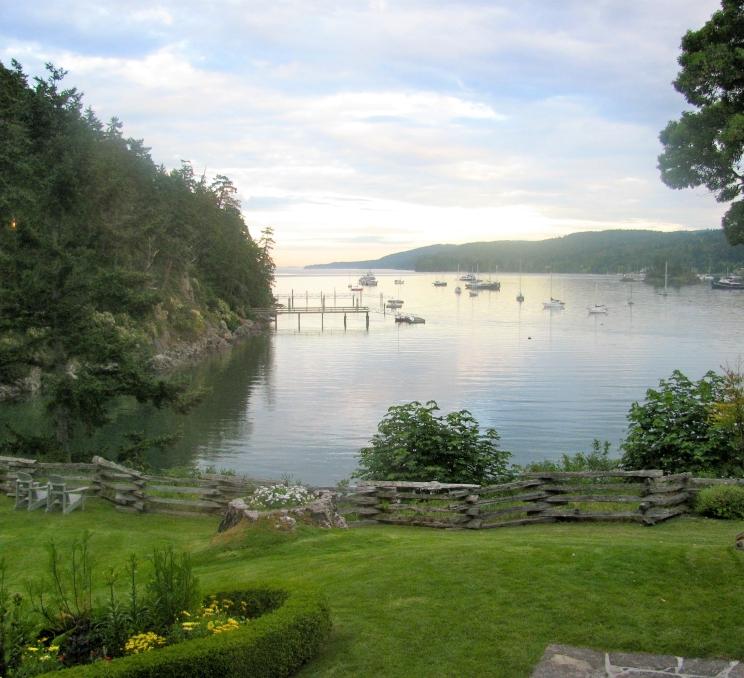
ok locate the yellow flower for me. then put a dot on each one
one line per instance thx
(32, 649)
(186, 613)
(54, 648)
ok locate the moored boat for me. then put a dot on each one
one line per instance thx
(409, 319)
(730, 282)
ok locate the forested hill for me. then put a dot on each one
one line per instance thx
(93, 231)
(593, 252)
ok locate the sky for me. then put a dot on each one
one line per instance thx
(359, 129)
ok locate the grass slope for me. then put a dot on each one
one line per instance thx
(415, 602)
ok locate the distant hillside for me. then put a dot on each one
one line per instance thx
(594, 252)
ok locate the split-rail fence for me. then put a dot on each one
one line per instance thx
(646, 497)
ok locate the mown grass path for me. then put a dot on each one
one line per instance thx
(418, 602)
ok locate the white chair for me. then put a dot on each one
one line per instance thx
(28, 493)
(58, 496)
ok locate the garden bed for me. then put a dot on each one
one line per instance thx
(286, 629)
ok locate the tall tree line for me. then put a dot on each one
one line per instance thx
(95, 238)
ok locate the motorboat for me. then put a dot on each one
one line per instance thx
(394, 303)
(493, 286)
(409, 319)
(368, 280)
(730, 282)
(440, 283)
(468, 277)
(399, 281)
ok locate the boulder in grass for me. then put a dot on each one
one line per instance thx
(321, 512)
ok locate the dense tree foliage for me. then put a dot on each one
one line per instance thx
(413, 443)
(601, 252)
(704, 147)
(676, 429)
(100, 250)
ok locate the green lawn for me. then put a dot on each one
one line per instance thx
(422, 602)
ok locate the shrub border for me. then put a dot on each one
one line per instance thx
(275, 644)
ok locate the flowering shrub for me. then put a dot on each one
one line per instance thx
(38, 659)
(217, 616)
(279, 496)
(142, 642)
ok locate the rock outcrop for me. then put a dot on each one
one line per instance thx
(321, 512)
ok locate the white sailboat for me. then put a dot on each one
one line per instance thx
(595, 308)
(520, 296)
(553, 304)
(666, 278)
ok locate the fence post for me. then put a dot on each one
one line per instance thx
(472, 512)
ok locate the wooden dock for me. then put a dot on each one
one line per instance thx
(322, 310)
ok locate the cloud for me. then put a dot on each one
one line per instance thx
(368, 125)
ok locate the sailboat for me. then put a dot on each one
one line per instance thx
(556, 304)
(666, 278)
(520, 296)
(596, 308)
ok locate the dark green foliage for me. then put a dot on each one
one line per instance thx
(721, 501)
(597, 460)
(16, 444)
(15, 632)
(132, 452)
(171, 589)
(704, 147)
(601, 252)
(64, 599)
(293, 625)
(413, 443)
(97, 243)
(674, 429)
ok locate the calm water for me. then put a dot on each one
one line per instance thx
(304, 402)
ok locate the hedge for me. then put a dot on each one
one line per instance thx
(294, 624)
(721, 501)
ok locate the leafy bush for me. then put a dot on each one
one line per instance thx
(675, 429)
(412, 443)
(721, 501)
(597, 460)
(293, 625)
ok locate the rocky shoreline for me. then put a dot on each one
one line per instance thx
(169, 354)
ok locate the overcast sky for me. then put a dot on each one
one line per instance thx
(357, 129)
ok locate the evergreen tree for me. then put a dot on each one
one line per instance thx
(93, 238)
(704, 147)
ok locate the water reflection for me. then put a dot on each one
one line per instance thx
(304, 402)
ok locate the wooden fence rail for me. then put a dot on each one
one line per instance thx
(646, 497)
(133, 491)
